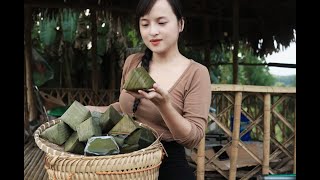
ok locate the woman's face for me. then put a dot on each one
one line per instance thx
(160, 28)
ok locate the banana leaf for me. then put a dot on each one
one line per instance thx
(119, 139)
(57, 134)
(48, 30)
(69, 19)
(101, 146)
(146, 138)
(109, 119)
(75, 115)
(88, 129)
(96, 116)
(134, 137)
(125, 126)
(138, 79)
(126, 148)
(73, 144)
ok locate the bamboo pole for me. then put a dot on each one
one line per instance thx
(25, 106)
(285, 108)
(201, 159)
(206, 35)
(266, 134)
(251, 173)
(283, 119)
(235, 31)
(252, 88)
(295, 138)
(235, 136)
(67, 65)
(94, 77)
(223, 173)
(31, 110)
(255, 157)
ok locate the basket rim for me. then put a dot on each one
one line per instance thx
(155, 146)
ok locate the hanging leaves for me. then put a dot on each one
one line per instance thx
(69, 19)
(48, 31)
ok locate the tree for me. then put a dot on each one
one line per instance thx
(254, 75)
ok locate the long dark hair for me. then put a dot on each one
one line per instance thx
(143, 8)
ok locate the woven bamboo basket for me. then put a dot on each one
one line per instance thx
(143, 164)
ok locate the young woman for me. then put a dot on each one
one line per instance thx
(178, 106)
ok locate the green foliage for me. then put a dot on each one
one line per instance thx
(223, 73)
(48, 30)
(68, 20)
(255, 75)
(221, 69)
(120, 37)
(248, 75)
(35, 36)
(132, 37)
(191, 53)
(285, 81)
(278, 133)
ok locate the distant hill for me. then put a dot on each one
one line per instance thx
(289, 81)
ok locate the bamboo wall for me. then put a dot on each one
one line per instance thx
(271, 111)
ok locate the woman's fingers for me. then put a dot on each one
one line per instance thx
(158, 89)
(147, 95)
(156, 94)
(134, 94)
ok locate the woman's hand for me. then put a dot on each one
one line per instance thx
(156, 95)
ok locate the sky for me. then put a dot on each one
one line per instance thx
(288, 56)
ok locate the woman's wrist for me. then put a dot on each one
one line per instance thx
(164, 106)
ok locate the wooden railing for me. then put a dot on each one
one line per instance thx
(84, 96)
(270, 110)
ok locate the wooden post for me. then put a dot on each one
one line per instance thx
(201, 159)
(207, 36)
(266, 134)
(31, 110)
(235, 136)
(235, 32)
(295, 138)
(94, 77)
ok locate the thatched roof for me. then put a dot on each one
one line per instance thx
(210, 22)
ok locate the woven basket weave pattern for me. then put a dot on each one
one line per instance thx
(141, 164)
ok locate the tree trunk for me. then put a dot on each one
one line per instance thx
(207, 36)
(113, 70)
(235, 40)
(31, 109)
(95, 73)
(67, 66)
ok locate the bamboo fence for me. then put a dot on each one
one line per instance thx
(267, 108)
(271, 111)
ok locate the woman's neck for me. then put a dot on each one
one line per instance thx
(168, 57)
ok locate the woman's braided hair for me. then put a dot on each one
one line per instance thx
(145, 61)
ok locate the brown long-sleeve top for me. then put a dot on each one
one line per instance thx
(190, 96)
